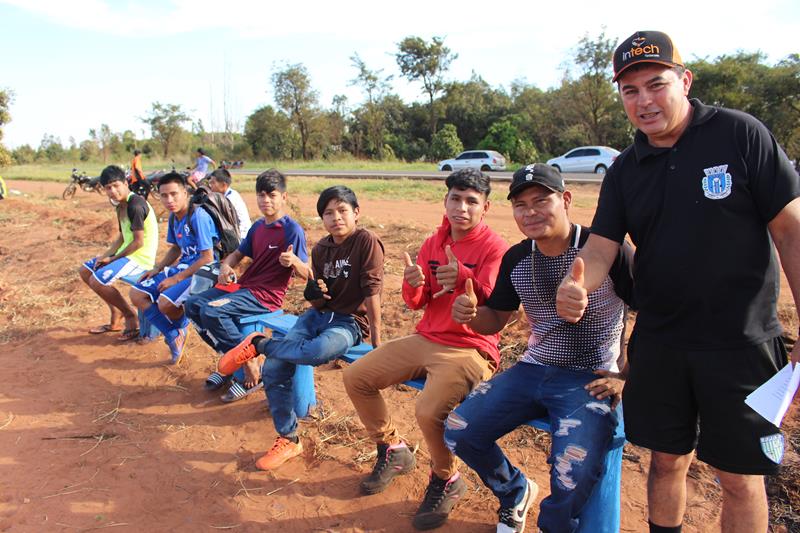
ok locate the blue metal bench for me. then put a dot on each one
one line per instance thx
(601, 513)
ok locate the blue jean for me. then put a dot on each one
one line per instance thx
(316, 338)
(581, 426)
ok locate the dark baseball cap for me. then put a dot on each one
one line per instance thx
(645, 47)
(535, 174)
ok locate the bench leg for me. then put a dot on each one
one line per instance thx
(601, 513)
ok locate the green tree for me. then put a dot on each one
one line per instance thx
(6, 97)
(50, 149)
(104, 138)
(165, 122)
(295, 97)
(23, 155)
(472, 107)
(445, 143)
(271, 135)
(594, 103)
(426, 63)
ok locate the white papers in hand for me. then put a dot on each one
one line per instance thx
(771, 400)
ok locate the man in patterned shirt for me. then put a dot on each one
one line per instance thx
(569, 372)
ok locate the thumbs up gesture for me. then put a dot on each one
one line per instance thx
(287, 258)
(447, 275)
(572, 298)
(412, 274)
(465, 306)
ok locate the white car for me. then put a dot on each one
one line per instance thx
(595, 159)
(480, 159)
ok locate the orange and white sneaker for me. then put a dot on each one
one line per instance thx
(240, 354)
(281, 451)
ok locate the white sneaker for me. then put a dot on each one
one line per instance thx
(512, 519)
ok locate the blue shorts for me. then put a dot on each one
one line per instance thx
(176, 294)
(122, 269)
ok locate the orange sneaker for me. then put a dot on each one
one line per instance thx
(281, 451)
(240, 354)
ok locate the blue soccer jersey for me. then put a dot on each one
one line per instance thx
(192, 234)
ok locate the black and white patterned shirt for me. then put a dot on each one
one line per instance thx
(529, 277)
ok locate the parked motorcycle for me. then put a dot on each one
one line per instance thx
(83, 181)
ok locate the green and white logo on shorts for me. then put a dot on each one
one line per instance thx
(772, 446)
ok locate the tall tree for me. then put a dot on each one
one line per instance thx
(6, 97)
(374, 84)
(426, 63)
(295, 96)
(270, 134)
(165, 122)
(595, 103)
(104, 138)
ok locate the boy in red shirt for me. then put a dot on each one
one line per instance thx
(451, 357)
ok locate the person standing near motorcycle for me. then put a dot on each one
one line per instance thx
(200, 167)
(131, 254)
(138, 183)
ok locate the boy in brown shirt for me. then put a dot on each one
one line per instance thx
(345, 295)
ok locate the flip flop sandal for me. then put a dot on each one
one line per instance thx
(105, 328)
(237, 392)
(128, 334)
(215, 381)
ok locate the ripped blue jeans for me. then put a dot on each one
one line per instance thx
(581, 428)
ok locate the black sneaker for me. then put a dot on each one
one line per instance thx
(440, 498)
(392, 461)
(512, 519)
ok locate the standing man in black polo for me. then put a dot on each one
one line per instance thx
(704, 193)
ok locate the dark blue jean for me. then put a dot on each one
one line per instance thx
(215, 313)
(581, 426)
(316, 338)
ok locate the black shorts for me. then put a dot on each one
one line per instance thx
(677, 400)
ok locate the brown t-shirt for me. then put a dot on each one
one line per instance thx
(352, 271)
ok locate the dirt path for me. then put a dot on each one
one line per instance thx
(97, 434)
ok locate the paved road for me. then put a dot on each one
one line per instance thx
(391, 174)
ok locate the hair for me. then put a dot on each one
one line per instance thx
(137, 152)
(270, 180)
(171, 177)
(337, 192)
(469, 178)
(111, 174)
(201, 151)
(222, 176)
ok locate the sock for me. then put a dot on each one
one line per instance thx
(181, 323)
(157, 318)
(662, 529)
(261, 345)
(293, 438)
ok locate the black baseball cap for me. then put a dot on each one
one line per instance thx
(535, 174)
(645, 47)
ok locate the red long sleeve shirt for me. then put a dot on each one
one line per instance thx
(479, 254)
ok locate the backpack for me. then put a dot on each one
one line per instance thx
(221, 211)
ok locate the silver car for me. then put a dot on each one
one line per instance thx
(480, 159)
(595, 159)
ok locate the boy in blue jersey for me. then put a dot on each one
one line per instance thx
(161, 291)
(277, 246)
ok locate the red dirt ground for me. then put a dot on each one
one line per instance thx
(97, 434)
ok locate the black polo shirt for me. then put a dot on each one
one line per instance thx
(705, 271)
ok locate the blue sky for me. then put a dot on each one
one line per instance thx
(76, 65)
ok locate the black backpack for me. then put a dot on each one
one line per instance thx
(222, 212)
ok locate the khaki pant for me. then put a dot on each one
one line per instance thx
(450, 372)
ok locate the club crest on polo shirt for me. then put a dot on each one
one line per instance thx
(717, 182)
(772, 446)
